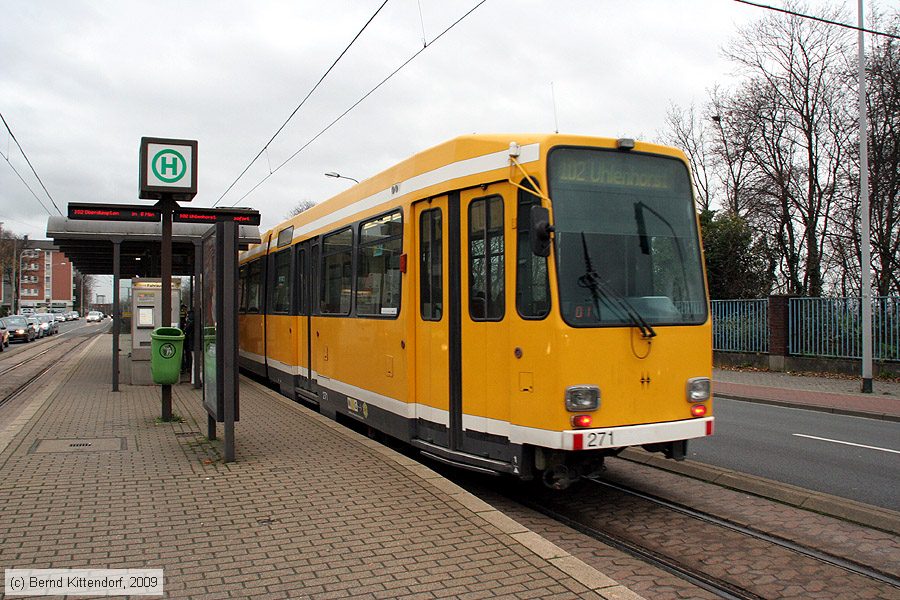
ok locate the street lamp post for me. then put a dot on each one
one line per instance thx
(865, 258)
(17, 285)
(339, 176)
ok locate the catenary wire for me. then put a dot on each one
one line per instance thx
(49, 212)
(820, 19)
(25, 156)
(302, 102)
(358, 102)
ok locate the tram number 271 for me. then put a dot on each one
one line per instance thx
(598, 439)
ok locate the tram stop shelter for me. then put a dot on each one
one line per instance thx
(131, 249)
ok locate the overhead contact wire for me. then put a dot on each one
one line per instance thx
(794, 13)
(25, 156)
(358, 102)
(302, 102)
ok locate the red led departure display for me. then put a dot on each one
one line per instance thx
(215, 215)
(112, 212)
(126, 212)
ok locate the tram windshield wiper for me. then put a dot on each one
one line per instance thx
(597, 287)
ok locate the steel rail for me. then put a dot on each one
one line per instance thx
(719, 587)
(824, 557)
(22, 387)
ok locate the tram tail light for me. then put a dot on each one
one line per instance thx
(698, 410)
(582, 421)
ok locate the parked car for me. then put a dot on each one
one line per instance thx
(94, 316)
(19, 328)
(4, 335)
(60, 317)
(35, 326)
(48, 323)
(72, 315)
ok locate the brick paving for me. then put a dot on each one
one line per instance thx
(310, 509)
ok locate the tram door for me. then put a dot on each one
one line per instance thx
(484, 348)
(281, 336)
(432, 321)
(306, 261)
(460, 335)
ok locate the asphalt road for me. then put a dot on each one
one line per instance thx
(66, 329)
(850, 457)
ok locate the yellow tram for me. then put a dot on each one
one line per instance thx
(522, 304)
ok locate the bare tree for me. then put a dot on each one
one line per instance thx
(11, 247)
(883, 106)
(797, 104)
(883, 109)
(732, 151)
(302, 206)
(687, 131)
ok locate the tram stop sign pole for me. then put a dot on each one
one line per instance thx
(168, 174)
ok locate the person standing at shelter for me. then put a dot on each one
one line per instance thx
(186, 355)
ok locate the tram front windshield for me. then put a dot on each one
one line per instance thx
(626, 239)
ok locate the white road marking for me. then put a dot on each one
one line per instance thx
(812, 437)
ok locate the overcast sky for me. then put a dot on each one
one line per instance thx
(81, 82)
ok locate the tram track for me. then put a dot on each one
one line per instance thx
(689, 560)
(62, 347)
(824, 557)
(666, 536)
(719, 587)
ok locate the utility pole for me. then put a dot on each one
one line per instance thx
(865, 259)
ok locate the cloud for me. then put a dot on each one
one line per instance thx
(80, 83)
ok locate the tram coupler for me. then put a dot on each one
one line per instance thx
(563, 470)
(676, 450)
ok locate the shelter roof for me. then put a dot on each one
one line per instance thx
(89, 245)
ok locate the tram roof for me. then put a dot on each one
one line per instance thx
(438, 170)
(89, 245)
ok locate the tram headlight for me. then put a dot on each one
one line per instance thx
(698, 389)
(580, 398)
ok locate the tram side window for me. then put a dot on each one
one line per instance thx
(532, 280)
(431, 276)
(300, 285)
(337, 275)
(281, 287)
(242, 288)
(487, 278)
(378, 266)
(254, 286)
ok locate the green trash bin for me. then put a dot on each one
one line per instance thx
(166, 345)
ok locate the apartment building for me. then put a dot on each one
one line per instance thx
(45, 278)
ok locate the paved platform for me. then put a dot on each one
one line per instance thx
(309, 510)
(826, 393)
